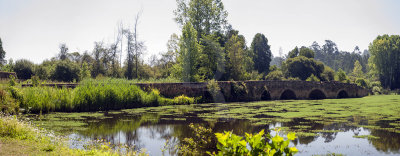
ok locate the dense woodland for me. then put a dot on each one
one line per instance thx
(210, 48)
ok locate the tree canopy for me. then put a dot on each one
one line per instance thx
(262, 53)
(385, 56)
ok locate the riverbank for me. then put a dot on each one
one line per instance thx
(19, 137)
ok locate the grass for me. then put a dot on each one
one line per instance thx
(21, 138)
(90, 95)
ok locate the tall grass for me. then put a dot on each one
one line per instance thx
(92, 95)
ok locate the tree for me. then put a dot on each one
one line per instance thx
(188, 59)
(212, 58)
(65, 71)
(385, 55)
(238, 58)
(63, 55)
(24, 69)
(135, 50)
(294, 53)
(262, 53)
(84, 72)
(206, 16)
(97, 66)
(302, 67)
(306, 52)
(342, 77)
(357, 71)
(328, 74)
(2, 54)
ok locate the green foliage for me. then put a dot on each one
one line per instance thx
(376, 90)
(35, 81)
(202, 140)
(341, 76)
(328, 74)
(92, 95)
(2, 54)
(361, 82)
(42, 72)
(84, 72)
(207, 16)
(188, 55)
(11, 127)
(231, 144)
(12, 81)
(294, 53)
(238, 58)
(213, 87)
(275, 75)
(306, 52)
(302, 67)
(385, 55)
(8, 105)
(313, 78)
(212, 58)
(261, 53)
(357, 71)
(24, 69)
(65, 71)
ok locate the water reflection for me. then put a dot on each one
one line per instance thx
(151, 131)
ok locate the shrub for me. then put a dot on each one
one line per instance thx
(65, 71)
(213, 87)
(183, 100)
(7, 104)
(231, 144)
(35, 81)
(361, 82)
(275, 75)
(23, 68)
(376, 90)
(313, 78)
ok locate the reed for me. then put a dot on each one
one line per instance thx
(92, 95)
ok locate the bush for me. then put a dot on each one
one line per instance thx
(313, 78)
(213, 87)
(65, 71)
(7, 104)
(231, 144)
(23, 68)
(376, 90)
(275, 75)
(361, 82)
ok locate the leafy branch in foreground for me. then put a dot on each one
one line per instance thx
(231, 144)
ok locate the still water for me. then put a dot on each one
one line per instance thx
(151, 130)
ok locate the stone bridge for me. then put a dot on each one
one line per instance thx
(252, 90)
(260, 90)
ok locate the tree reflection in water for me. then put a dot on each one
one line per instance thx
(130, 130)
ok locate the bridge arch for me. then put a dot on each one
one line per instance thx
(317, 94)
(266, 95)
(288, 94)
(342, 94)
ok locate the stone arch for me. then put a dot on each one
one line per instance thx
(265, 95)
(342, 94)
(288, 95)
(317, 94)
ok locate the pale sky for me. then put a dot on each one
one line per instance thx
(33, 29)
